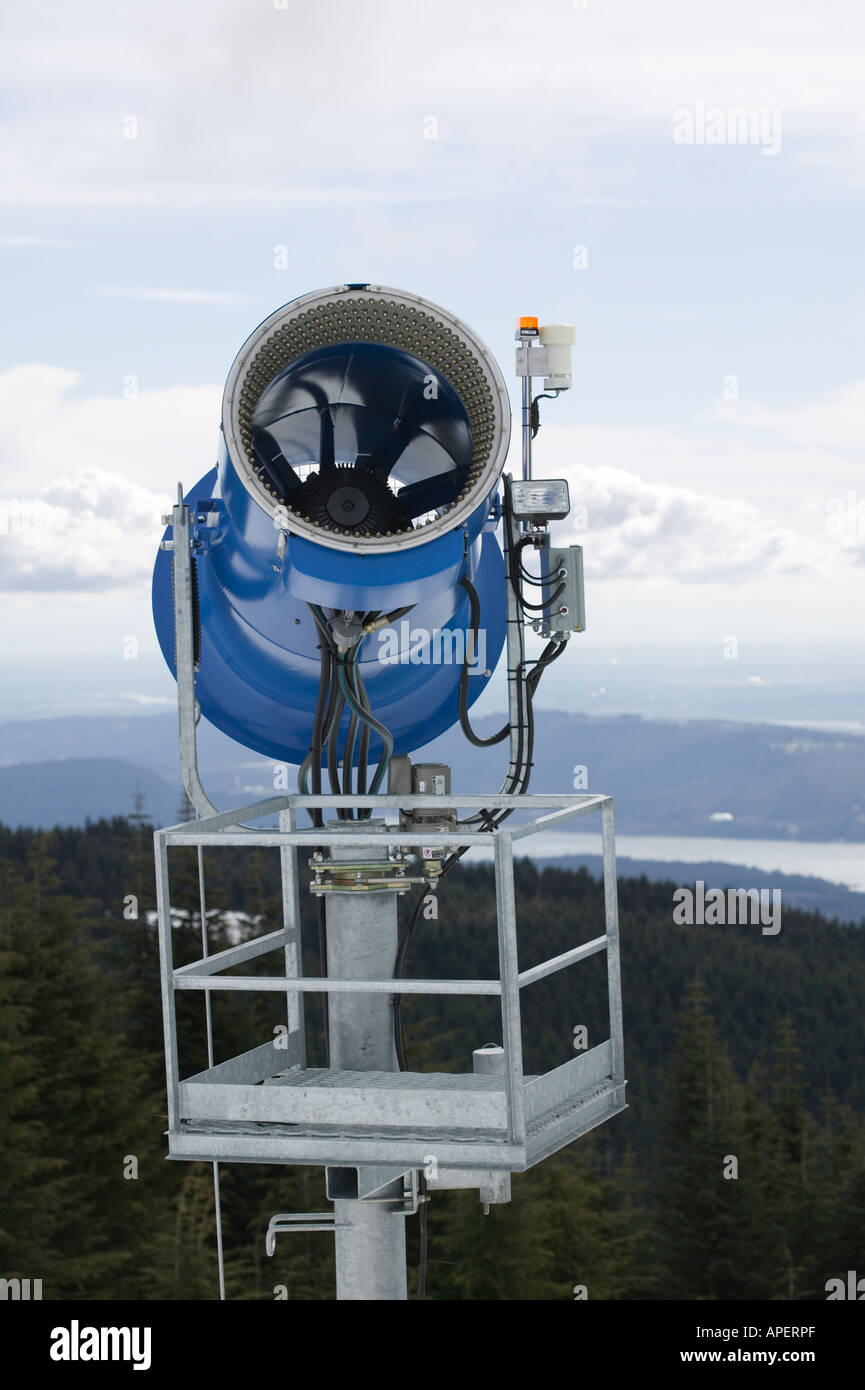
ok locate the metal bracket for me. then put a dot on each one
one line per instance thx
(285, 1221)
(188, 712)
(530, 358)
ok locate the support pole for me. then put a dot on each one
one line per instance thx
(362, 944)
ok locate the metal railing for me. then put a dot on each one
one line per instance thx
(228, 829)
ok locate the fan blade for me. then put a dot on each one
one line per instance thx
(326, 449)
(274, 467)
(430, 493)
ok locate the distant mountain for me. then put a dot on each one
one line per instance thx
(698, 777)
(798, 891)
(75, 790)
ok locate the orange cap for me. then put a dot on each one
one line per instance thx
(527, 321)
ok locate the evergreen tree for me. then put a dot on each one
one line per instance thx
(84, 1226)
(703, 1211)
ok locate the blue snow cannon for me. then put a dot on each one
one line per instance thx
(364, 431)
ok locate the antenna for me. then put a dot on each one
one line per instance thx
(334, 594)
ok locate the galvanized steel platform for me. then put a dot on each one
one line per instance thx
(267, 1106)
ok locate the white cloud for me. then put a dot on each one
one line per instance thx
(101, 470)
(834, 422)
(84, 480)
(237, 101)
(53, 431)
(94, 531)
(636, 529)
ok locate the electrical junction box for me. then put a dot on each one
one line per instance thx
(421, 779)
(431, 779)
(562, 575)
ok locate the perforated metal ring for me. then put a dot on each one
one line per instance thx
(376, 314)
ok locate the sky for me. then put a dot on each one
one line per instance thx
(172, 172)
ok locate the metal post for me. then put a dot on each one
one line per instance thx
(208, 1017)
(515, 657)
(166, 974)
(509, 972)
(187, 712)
(362, 944)
(614, 968)
(291, 924)
(527, 418)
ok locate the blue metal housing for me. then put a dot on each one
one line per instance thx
(259, 665)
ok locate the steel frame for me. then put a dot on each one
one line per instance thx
(267, 1106)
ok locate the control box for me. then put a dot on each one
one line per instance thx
(563, 591)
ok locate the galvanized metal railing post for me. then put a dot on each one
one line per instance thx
(166, 977)
(509, 969)
(291, 925)
(614, 968)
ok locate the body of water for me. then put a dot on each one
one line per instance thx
(835, 862)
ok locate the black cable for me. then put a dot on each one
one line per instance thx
(520, 769)
(324, 686)
(515, 566)
(350, 737)
(332, 747)
(335, 703)
(551, 653)
(519, 773)
(399, 974)
(363, 742)
(536, 579)
(397, 615)
(535, 410)
(463, 692)
(519, 780)
(539, 607)
(325, 691)
(375, 725)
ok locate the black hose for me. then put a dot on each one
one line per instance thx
(399, 973)
(463, 693)
(384, 733)
(363, 742)
(348, 755)
(333, 748)
(324, 685)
